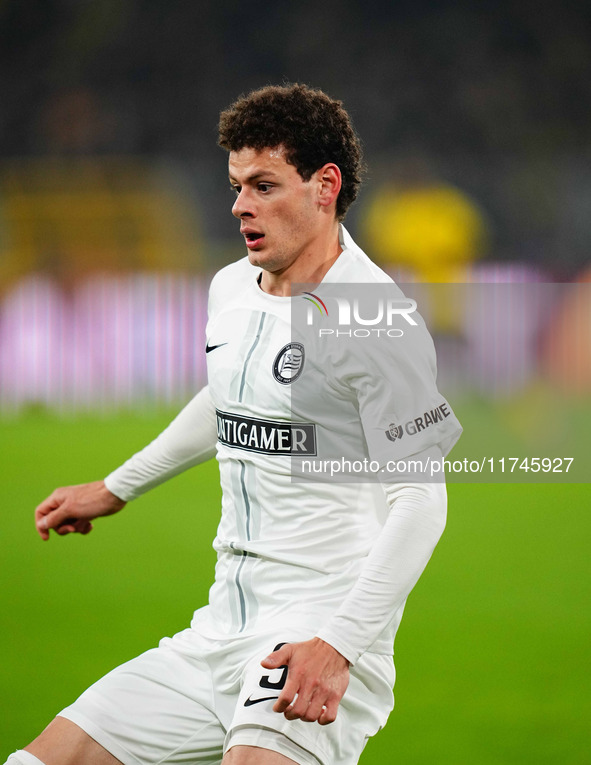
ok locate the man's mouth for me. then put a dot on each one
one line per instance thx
(252, 238)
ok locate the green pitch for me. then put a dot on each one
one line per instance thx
(493, 653)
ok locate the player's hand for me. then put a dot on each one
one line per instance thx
(71, 509)
(317, 673)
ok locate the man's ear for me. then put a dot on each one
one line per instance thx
(329, 184)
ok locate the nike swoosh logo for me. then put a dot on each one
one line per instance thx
(209, 347)
(249, 702)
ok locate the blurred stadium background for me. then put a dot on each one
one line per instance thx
(114, 214)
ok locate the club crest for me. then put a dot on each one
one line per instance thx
(289, 363)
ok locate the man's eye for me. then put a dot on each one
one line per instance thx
(264, 187)
(235, 189)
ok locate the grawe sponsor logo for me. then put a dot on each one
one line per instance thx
(266, 436)
(412, 427)
(394, 432)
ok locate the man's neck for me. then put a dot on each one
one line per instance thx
(309, 268)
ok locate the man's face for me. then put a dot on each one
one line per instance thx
(278, 210)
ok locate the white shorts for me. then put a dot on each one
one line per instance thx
(193, 698)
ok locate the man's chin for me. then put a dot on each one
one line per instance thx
(256, 258)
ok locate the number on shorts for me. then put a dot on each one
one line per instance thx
(265, 681)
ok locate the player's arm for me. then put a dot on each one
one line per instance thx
(415, 523)
(189, 440)
(319, 668)
(393, 386)
(71, 509)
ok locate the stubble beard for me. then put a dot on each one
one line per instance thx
(274, 262)
(281, 255)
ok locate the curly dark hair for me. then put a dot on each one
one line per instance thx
(312, 127)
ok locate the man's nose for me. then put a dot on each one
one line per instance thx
(243, 205)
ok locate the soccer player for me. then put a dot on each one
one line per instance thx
(291, 660)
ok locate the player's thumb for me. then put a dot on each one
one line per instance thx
(278, 658)
(52, 519)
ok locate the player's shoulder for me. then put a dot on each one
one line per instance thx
(354, 265)
(234, 274)
(230, 280)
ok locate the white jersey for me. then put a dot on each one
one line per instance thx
(290, 551)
